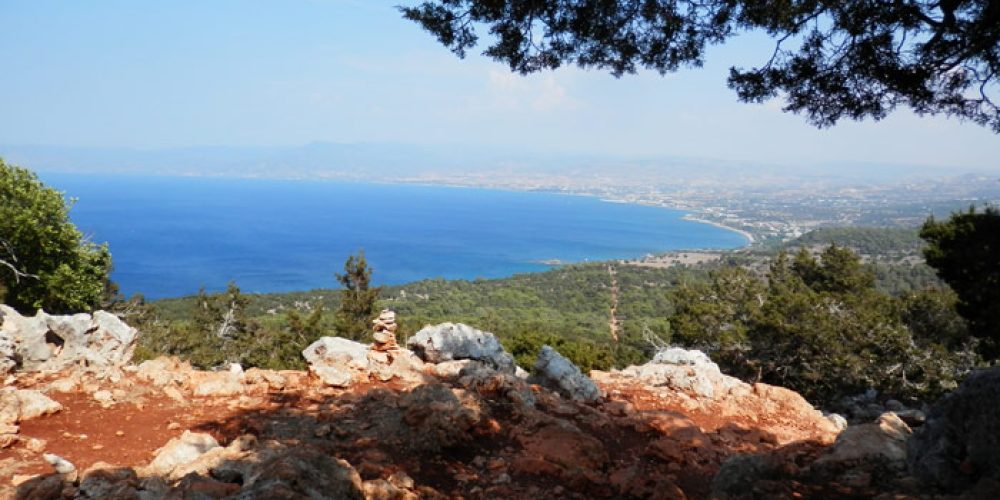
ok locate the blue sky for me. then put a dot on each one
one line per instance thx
(159, 74)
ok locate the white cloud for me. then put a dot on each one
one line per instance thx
(543, 93)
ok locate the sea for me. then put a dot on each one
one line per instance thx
(169, 236)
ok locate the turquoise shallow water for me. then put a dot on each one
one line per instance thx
(171, 235)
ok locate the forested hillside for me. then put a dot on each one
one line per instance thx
(865, 277)
(895, 254)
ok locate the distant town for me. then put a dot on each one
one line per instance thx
(779, 211)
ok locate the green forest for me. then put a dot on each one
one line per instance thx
(834, 312)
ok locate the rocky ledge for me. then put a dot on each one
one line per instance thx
(448, 417)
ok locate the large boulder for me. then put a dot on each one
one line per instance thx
(690, 371)
(562, 375)
(453, 341)
(337, 351)
(960, 442)
(303, 472)
(335, 360)
(881, 441)
(50, 343)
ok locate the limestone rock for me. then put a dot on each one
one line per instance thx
(17, 405)
(113, 341)
(561, 374)
(164, 371)
(453, 341)
(884, 439)
(49, 342)
(960, 442)
(28, 336)
(336, 351)
(679, 356)
(685, 370)
(63, 385)
(216, 384)
(333, 376)
(273, 379)
(450, 370)
(105, 398)
(8, 353)
(181, 451)
(837, 420)
(60, 464)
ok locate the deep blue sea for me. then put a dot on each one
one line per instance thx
(171, 235)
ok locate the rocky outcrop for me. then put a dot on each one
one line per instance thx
(454, 341)
(51, 343)
(460, 424)
(695, 383)
(562, 375)
(685, 370)
(337, 361)
(284, 476)
(959, 445)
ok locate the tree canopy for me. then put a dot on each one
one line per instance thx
(965, 252)
(45, 262)
(832, 59)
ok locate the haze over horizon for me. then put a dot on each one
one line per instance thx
(169, 76)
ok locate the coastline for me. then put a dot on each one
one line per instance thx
(746, 234)
(690, 216)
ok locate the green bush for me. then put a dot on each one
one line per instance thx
(44, 260)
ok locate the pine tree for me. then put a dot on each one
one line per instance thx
(357, 299)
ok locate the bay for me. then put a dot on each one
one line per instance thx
(171, 235)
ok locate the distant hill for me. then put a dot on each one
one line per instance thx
(869, 241)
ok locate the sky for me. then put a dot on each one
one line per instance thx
(169, 74)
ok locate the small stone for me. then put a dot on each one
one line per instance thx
(105, 398)
(36, 445)
(173, 426)
(97, 447)
(322, 430)
(119, 433)
(60, 464)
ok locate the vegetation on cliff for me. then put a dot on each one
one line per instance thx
(45, 261)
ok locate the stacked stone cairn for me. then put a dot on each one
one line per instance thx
(384, 327)
(384, 351)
